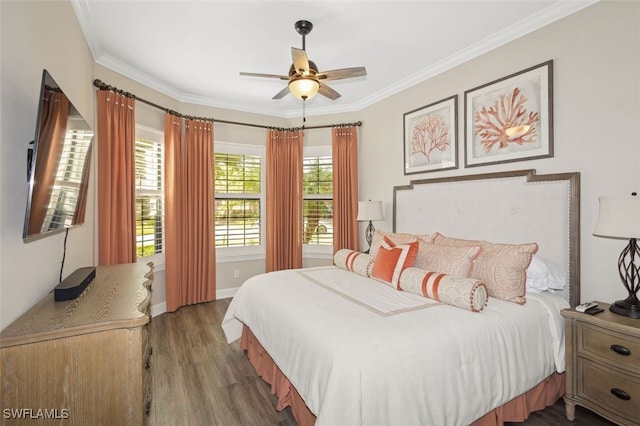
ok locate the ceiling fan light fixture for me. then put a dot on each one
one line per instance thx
(304, 87)
(304, 77)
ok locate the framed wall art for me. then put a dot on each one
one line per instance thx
(510, 119)
(431, 137)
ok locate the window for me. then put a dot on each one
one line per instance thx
(238, 188)
(149, 149)
(317, 177)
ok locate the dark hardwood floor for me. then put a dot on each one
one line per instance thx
(199, 379)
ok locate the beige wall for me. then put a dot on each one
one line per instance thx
(36, 35)
(596, 55)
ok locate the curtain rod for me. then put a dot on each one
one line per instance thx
(103, 86)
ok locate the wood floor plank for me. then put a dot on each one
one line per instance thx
(199, 379)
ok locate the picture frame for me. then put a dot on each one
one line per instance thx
(510, 119)
(431, 137)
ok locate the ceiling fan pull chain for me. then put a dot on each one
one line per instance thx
(304, 104)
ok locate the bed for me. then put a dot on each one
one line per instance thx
(344, 345)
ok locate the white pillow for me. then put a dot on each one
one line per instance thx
(545, 275)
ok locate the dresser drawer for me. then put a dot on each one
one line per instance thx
(610, 390)
(608, 346)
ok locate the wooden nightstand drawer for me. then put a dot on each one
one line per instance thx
(603, 365)
(610, 390)
(608, 346)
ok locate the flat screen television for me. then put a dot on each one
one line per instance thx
(58, 165)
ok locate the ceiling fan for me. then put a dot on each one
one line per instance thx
(304, 78)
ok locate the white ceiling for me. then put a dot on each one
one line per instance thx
(194, 50)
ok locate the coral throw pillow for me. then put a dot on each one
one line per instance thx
(396, 238)
(451, 260)
(502, 267)
(391, 259)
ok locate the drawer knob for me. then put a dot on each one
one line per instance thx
(620, 394)
(620, 350)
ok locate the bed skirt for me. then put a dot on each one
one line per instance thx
(544, 394)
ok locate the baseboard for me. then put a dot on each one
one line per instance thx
(226, 293)
(158, 309)
(161, 308)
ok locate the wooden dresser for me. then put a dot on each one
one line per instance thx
(85, 361)
(603, 365)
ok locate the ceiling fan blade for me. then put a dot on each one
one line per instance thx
(254, 74)
(300, 60)
(281, 94)
(342, 73)
(328, 92)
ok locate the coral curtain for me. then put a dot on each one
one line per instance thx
(53, 119)
(116, 179)
(189, 212)
(284, 200)
(344, 149)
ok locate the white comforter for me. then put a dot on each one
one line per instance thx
(362, 353)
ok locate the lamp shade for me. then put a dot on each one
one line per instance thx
(370, 210)
(618, 217)
(304, 87)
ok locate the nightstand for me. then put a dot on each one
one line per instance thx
(603, 365)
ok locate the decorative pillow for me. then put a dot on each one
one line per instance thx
(544, 275)
(391, 259)
(451, 260)
(353, 261)
(502, 267)
(465, 293)
(396, 238)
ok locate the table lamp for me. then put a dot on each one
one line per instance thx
(619, 217)
(369, 210)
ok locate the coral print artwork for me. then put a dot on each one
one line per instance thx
(430, 137)
(510, 119)
(509, 123)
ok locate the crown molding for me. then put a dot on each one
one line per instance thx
(516, 30)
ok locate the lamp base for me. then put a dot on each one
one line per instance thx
(630, 307)
(629, 270)
(369, 235)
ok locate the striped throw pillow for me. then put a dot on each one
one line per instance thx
(353, 261)
(462, 292)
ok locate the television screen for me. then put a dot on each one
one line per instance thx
(59, 164)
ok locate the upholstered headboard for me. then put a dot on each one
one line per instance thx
(508, 207)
